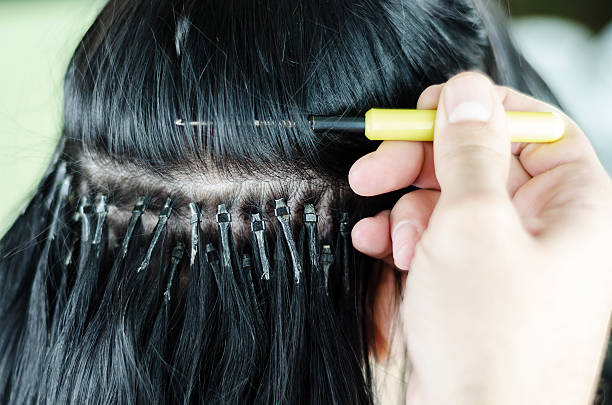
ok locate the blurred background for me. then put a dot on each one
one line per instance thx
(568, 42)
(595, 14)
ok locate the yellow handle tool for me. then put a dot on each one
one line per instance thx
(418, 125)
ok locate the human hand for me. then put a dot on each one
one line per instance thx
(509, 292)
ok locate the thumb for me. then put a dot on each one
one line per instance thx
(471, 144)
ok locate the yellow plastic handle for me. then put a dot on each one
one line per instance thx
(418, 125)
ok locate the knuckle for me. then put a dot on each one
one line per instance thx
(471, 155)
(469, 147)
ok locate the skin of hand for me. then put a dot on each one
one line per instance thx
(509, 250)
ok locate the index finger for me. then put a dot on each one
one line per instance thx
(398, 164)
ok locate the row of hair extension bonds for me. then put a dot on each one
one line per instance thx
(144, 305)
(196, 319)
(92, 216)
(252, 317)
(235, 370)
(107, 328)
(77, 300)
(297, 304)
(66, 278)
(128, 320)
(93, 335)
(340, 383)
(279, 307)
(241, 279)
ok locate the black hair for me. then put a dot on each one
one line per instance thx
(159, 263)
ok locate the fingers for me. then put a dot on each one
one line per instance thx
(371, 236)
(538, 158)
(407, 220)
(427, 177)
(377, 172)
(396, 165)
(428, 100)
(381, 171)
(472, 156)
(471, 144)
(565, 173)
(518, 176)
(393, 235)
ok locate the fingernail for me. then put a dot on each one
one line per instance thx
(404, 236)
(468, 98)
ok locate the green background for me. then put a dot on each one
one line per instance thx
(36, 41)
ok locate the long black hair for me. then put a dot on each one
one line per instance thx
(160, 263)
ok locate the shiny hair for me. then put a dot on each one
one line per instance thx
(160, 263)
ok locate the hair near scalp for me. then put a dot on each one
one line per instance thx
(159, 263)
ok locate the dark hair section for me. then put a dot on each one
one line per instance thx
(145, 64)
(160, 263)
(156, 317)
